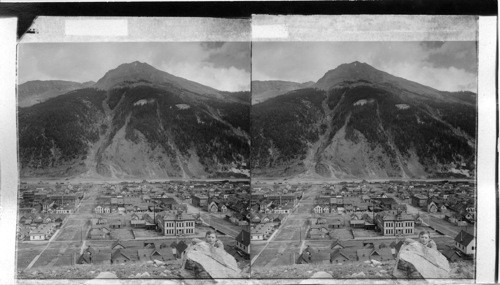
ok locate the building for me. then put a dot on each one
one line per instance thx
(262, 231)
(37, 236)
(99, 209)
(340, 255)
(243, 241)
(177, 224)
(392, 224)
(432, 207)
(212, 207)
(199, 200)
(419, 200)
(465, 242)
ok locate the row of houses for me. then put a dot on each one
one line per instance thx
(40, 232)
(263, 231)
(121, 252)
(342, 254)
(33, 219)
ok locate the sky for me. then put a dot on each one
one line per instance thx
(224, 66)
(446, 66)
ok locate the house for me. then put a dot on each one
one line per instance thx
(257, 234)
(363, 254)
(64, 210)
(311, 256)
(395, 247)
(381, 254)
(138, 223)
(123, 256)
(99, 209)
(452, 254)
(37, 236)
(212, 207)
(340, 255)
(180, 248)
(336, 223)
(115, 224)
(98, 233)
(326, 209)
(318, 232)
(283, 209)
(117, 245)
(355, 223)
(163, 254)
(465, 242)
(255, 218)
(337, 244)
(243, 241)
(93, 256)
(432, 207)
(266, 219)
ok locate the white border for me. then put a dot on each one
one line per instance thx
(486, 146)
(8, 150)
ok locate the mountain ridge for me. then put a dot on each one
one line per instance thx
(359, 122)
(137, 122)
(37, 91)
(267, 89)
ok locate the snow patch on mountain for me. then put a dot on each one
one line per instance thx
(402, 106)
(183, 106)
(363, 102)
(143, 102)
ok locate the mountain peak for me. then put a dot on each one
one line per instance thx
(144, 73)
(356, 65)
(356, 71)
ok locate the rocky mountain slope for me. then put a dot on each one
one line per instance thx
(359, 122)
(38, 91)
(137, 122)
(264, 90)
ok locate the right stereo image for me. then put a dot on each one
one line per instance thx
(363, 159)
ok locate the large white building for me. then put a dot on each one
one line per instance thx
(177, 224)
(393, 224)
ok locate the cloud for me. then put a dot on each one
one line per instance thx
(212, 64)
(447, 66)
(233, 54)
(461, 55)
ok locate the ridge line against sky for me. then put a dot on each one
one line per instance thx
(445, 66)
(224, 66)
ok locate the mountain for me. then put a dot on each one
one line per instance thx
(360, 122)
(264, 90)
(37, 91)
(137, 122)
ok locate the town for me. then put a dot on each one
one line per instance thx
(323, 223)
(60, 223)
